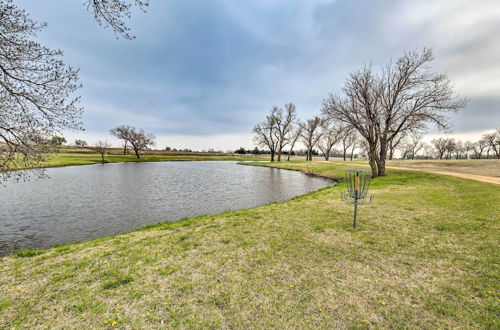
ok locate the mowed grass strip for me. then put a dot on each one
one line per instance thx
(68, 157)
(426, 256)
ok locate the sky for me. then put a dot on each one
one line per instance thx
(201, 73)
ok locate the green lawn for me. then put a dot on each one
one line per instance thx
(426, 255)
(85, 158)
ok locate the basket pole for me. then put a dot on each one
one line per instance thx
(354, 225)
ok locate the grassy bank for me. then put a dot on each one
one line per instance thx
(68, 159)
(69, 156)
(426, 256)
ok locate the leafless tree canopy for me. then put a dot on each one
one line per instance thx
(284, 121)
(493, 141)
(36, 92)
(112, 13)
(278, 130)
(348, 138)
(311, 133)
(442, 146)
(406, 95)
(122, 132)
(102, 147)
(410, 146)
(137, 138)
(266, 135)
(359, 108)
(295, 134)
(140, 140)
(488, 146)
(331, 135)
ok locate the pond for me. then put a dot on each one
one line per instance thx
(79, 203)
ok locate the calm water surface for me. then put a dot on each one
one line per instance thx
(84, 202)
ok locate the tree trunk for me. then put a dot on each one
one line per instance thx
(272, 156)
(290, 152)
(381, 167)
(372, 158)
(137, 153)
(345, 151)
(382, 158)
(125, 148)
(352, 150)
(102, 156)
(279, 155)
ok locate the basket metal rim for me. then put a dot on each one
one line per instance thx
(353, 170)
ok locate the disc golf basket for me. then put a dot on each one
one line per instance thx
(358, 182)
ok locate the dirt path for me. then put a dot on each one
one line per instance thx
(482, 178)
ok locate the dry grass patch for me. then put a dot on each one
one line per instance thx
(486, 167)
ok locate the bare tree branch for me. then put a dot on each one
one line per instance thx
(36, 93)
(311, 133)
(112, 13)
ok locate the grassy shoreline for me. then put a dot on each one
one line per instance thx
(89, 158)
(426, 256)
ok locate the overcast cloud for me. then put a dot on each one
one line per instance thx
(201, 73)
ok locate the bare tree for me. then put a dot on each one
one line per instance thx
(450, 149)
(467, 148)
(284, 121)
(36, 93)
(395, 143)
(265, 135)
(459, 149)
(354, 144)
(407, 95)
(294, 136)
(123, 132)
(478, 148)
(411, 96)
(347, 135)
(330, 137)
(311, 133)
(364, 148)
(493, 141)
(359, 108)
(411, 146)
(442, 146)
(102, 147)
(139, 140)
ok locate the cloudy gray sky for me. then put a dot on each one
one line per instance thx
(201, 73)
